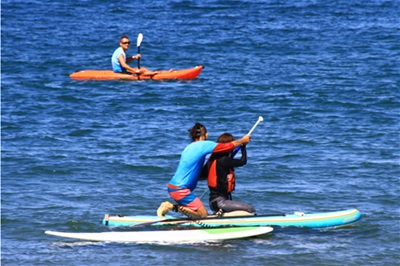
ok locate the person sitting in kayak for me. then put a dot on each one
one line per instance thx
(221, 179)
(120, 62)
(185, 179)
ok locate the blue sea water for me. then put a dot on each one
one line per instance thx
(325, 75)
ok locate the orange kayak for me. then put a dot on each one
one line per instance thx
(190, 73)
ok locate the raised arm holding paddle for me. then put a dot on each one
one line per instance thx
(119, 59)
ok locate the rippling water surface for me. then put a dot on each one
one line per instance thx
(325, 77)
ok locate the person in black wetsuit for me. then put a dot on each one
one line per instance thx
(221, 179)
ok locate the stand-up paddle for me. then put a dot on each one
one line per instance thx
(139, 42)
(260, 119)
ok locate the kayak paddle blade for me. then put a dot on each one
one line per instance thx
(139, 39)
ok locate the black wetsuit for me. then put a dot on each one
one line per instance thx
(220, 198)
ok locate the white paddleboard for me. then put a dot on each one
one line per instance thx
(171, 236)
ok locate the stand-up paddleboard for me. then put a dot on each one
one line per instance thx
(297, 219)
(170, 236)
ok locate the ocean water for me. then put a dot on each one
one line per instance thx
(325, 75)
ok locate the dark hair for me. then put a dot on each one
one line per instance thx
(197, 131)
(225, 138)
(123, 37)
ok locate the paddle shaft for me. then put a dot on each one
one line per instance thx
(138, 61)
(179, 221)
(236, 150)
(255, 125)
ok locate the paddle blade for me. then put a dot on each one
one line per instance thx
(139, 39)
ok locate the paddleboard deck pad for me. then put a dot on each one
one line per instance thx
(168, 236)
(297, 219)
